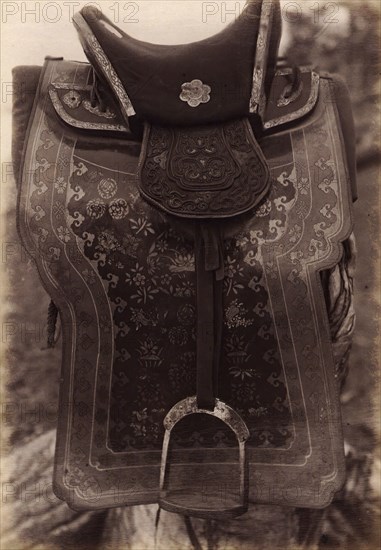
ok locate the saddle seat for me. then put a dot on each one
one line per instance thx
(216, 73)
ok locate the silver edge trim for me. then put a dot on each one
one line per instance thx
(315, 78)
(105, 65)
(68, 86)
(257, 101)
(79, 123)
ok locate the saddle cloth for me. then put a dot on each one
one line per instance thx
(182, 237)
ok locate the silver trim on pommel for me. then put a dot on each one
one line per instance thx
(257, 99)
(94, 48)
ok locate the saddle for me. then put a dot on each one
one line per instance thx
(181, 204)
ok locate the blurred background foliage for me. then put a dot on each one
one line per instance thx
(344, 38)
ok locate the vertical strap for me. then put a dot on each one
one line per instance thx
(205, 327)
(209, 275)
(218, 324)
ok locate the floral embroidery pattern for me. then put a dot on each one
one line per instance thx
(182, 262)
(145, 426)
(118, 209)
(303, 186)
(186, 315)
(95, 209)
(142, 225)
(181, 372)
(148, 270)
(232, 272)
(136, 276)
(295, 233)
(63, 234)
(60, 185)
(107, 241)
(235, 315)
(264, 209)
(150, 354)
(149, 373)
(140, 318)
(178, 336)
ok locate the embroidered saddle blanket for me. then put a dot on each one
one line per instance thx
(182, 238)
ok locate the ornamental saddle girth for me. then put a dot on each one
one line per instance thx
(186, 270)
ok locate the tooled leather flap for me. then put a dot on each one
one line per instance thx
(214, 171)
(71, 99)
(284, 105)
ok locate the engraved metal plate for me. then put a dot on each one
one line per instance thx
(195, 92)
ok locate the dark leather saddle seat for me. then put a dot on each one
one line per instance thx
(214, 75)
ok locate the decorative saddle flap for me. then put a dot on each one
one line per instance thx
(122, 274)
(214, 171)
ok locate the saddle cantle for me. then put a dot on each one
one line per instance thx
(182, 235)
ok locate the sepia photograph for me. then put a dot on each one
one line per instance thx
(190, 284)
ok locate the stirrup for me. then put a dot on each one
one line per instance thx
(231, 418)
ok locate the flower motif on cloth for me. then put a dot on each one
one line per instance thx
(63, 234)
(60, 185)
(195, 92)
(108, 242)
(118, 209)
(72, 99)
(95, 209)
(264, 209)
(303, 186)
